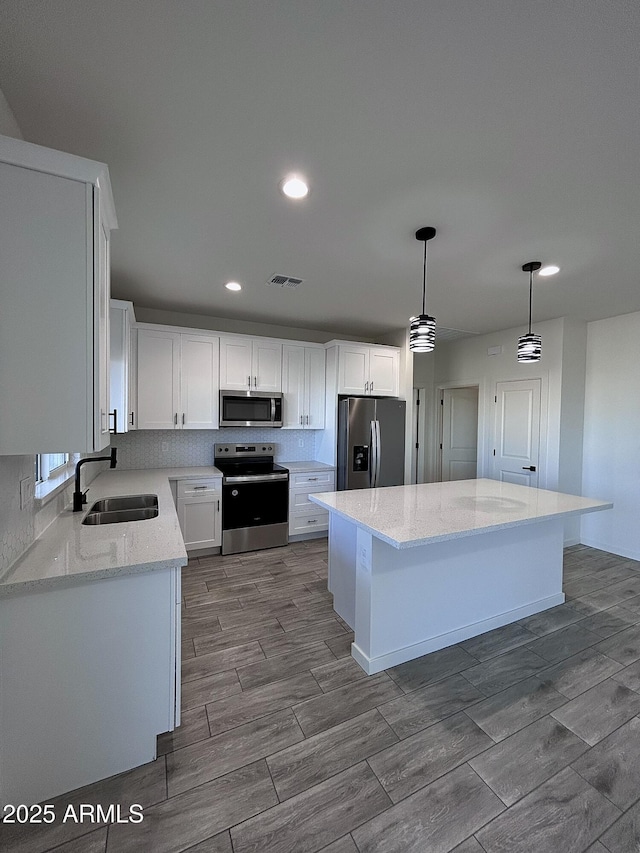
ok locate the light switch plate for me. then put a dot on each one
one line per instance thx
(26, 493)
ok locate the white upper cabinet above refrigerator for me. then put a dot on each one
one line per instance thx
(368, 369)
(56, 218)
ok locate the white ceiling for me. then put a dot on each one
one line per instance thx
(512, 126)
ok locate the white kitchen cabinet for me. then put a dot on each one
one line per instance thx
(368, 370)
(250, 364)
(121, 397)
(306, 517)
(303, 386)
(177, 380)
(56, 216)
(198, 504)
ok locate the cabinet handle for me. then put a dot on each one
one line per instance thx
(249, 381)
(175, 419)
(371, 386)
(131, 418)
(218, 506)
(114, 415)
(195, 488)
(366, 387)
(301, 420)
(312, 479)
(307, 417)
(255, 381)
(183, 419)
(312, 521)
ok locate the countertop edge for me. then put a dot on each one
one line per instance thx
(457, 534)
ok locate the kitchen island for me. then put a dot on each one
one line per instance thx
(90, 643)
(416, 568)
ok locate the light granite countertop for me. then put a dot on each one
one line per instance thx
(69, 552)
(304, 466)
(407, 516)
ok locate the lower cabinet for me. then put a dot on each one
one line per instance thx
(198, 505)
(304, 516)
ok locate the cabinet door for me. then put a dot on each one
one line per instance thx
(132, 413)
(236, 364)
(119, 360)
(101, 419)
(293, 386)
(199, 382)
(267, 366)
(200, 522)
(384, 372)
(353, 375)
(158, 379)
(315, 388)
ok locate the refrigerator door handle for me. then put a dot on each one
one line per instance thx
(375, 454)
(373, 460)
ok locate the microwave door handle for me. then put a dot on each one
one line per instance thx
(273, 409)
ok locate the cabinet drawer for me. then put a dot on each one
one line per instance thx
(308, 522)
(195, 488)
(313, 478)
(299, 498)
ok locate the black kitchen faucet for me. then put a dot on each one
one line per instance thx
(80, 497)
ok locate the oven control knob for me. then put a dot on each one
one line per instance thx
(234, 492)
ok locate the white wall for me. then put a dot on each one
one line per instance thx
(467, 362)
(611, 465)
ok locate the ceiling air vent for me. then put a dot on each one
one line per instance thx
(284, 281)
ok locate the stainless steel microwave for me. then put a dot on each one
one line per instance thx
(250, 409)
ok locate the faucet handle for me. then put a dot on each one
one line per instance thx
(84, 496)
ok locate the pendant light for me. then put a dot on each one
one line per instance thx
(422, 335)
(530, 345)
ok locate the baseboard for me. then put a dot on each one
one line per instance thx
(433, 644)
(606, 546)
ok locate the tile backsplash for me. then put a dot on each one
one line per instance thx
(184, 448)
(16, 525)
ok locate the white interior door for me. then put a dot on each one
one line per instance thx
(517, 432)
(459, 445)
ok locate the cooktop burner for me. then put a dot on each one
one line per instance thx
(246, 459)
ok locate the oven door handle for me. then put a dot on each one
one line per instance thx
(253, 478)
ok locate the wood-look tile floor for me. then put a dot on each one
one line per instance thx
(523, 739)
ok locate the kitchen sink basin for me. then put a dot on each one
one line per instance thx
(125, 502)
(120, 515)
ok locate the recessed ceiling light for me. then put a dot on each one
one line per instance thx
(233, 285)
(550, 269)
(295, 187)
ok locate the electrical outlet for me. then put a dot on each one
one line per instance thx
(165, 446)
(26, 493)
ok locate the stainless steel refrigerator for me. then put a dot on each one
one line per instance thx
(370, 442)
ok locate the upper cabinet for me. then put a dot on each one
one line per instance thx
(303, 386)
(56, 217)
(368, 369)
(121, 383)
(250, 364)
(177, 380)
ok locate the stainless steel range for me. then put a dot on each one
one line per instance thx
(255, 498)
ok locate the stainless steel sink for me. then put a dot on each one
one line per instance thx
(120, 515)
(125, 502)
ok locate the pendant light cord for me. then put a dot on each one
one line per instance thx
(424, 281)
(530, 292)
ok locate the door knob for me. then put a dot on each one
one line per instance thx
(529, 468)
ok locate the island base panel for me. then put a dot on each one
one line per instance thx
(413, 601)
